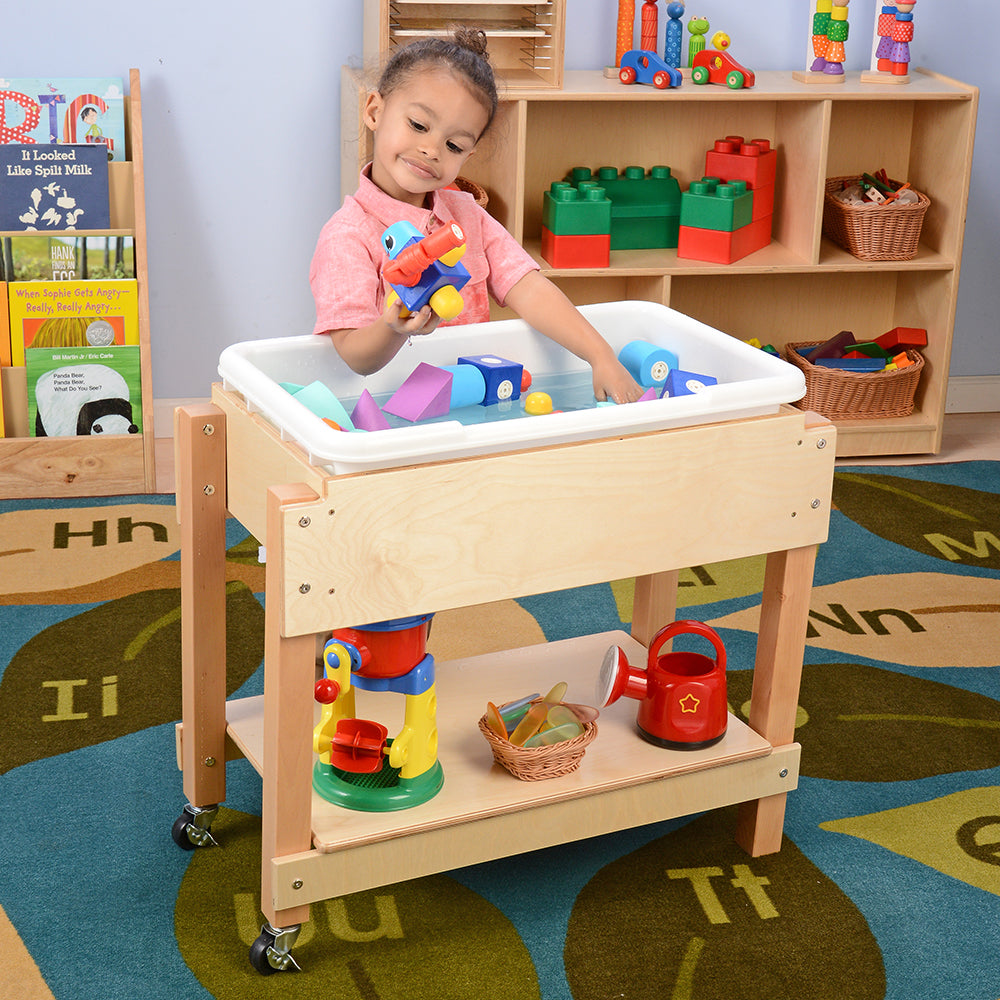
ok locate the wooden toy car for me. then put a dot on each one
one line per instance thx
(640, 66)
(712, 66)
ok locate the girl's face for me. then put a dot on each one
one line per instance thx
(424, 132)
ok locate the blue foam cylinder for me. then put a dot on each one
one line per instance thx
(468, 385)
(648, 364)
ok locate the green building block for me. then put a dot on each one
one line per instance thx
(645, 206)
(576, 211)
(710, 204)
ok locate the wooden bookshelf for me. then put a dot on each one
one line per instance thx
(801, 286)
(525, 39)
(93, 466)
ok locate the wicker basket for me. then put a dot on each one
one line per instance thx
(536, 763)
(842, 395)
(873, 232)
(476, 190)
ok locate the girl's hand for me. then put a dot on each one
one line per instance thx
(612, 381)
(417, 324)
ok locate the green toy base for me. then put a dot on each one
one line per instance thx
(383, 791)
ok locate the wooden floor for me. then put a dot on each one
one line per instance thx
(967, 436)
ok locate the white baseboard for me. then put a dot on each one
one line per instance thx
(163, 413)
(973, 394)
(966, 394)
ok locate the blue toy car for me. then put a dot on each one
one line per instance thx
(640, 66)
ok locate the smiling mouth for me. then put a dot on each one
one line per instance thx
(419, 169)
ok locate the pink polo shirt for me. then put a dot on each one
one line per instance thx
(346, 271)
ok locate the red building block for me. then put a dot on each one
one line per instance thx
(901, 337)
(718, 247)
(576, 251)
(733, 159)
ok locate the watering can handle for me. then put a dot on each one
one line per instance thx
(684, 627)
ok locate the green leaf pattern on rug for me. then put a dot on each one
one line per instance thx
(721, 921)
(428, 937)
(111, 670)
(861, 723)
(955, 523)
(957, 834)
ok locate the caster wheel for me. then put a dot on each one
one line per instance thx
(179, 832)
(258, 954)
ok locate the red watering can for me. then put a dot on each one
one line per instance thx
(682, 696)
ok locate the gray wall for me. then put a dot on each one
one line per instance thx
(240, 115)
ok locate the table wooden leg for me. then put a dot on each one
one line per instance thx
(289, 674)
(654, 604)
(200, 442)
(784, 616)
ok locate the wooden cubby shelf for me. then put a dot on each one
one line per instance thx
(525, 38)
(800, 287)
(95, 466)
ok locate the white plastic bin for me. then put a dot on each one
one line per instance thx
(751, 382)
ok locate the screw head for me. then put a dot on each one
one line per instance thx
(815, 503)
(209, 490)
(304, 521)
(783, 773)
(304, 588)
(297, 884)
(209, 762)
(821, 443)
(208, 429)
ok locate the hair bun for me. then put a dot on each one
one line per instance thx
(473, 39)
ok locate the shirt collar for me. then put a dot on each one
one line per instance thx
(388, 210)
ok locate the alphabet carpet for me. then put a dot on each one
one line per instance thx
(887, 884)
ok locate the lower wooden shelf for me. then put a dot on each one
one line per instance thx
(76, 466)
(482, 812)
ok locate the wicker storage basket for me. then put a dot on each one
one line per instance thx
(476, 190)
(873, 232)
(841, 395)
(536, 763)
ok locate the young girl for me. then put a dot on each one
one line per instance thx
(435, 100)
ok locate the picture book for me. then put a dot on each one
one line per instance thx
(66, 257)
(62, 110)
(53, 186)
(69, 314)
(83, 391)
(4, 327)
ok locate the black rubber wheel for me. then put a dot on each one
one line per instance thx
(258, 954)
(179, 832)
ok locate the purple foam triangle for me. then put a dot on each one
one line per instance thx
(426, 393)
(366, 414)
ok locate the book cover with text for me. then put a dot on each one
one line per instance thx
(71, 314)
(58, 109)
(83, 391)
(66, 257)
(53, 187)
(5, 358)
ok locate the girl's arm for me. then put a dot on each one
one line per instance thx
(541, 303)
(370, 348)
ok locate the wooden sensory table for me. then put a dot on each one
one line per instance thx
(364, 547)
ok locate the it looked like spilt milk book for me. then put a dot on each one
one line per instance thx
(48, 110)
(54, 186)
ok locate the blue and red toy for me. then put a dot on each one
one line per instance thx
(640, 66)
(425, 270)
